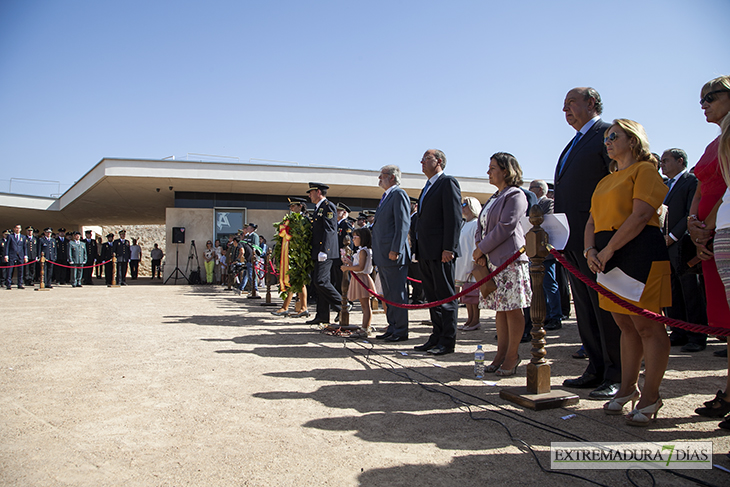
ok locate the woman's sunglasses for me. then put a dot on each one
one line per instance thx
(612, 136)
(712, 96)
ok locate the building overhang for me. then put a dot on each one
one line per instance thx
(137, 191)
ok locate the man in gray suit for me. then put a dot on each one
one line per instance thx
(688, 296)
(390, 250)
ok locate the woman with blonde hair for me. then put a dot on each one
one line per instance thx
(715, 101)
(624, 246)
(719, 219)
(470, 209)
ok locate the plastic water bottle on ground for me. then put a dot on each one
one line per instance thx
(479, 362)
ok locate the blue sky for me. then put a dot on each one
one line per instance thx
(344, 83)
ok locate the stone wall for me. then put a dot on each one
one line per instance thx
(147, 236)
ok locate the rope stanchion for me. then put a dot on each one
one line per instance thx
(710, 330)
(446, 300)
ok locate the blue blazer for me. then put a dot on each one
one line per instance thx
(390, 230)
(439, 219)
(587, 164)
(16, 249)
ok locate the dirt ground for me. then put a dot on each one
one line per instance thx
(155, 385)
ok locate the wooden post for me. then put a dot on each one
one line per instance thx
(43, 274)
(114, 272)
(254, 293)
(537, 394)
(269, 279)
(345, 312)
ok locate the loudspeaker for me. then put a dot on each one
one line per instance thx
(178, 235)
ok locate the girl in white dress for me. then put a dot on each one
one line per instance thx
(362, 265)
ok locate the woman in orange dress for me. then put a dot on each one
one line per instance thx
(625, 247)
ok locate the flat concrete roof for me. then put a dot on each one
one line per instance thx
(125, 191)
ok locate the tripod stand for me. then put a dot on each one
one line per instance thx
(177, 270)
(193, 254)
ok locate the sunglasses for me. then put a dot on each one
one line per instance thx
(711, 96)
(612, 136)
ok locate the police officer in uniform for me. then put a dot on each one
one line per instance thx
(91, 257)
(324, 251)
(107, 252)
(3, 265)
(344, 229)
(32, 249)
(123, 251)
(61, 275)
(48, 246)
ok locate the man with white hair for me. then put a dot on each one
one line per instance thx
(540, 188)
(391, 252)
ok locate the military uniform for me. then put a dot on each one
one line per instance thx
(33, 254)
(3, 265)
(48, 247)
(91, 257)
(76, 258)
(107, 252)
(62, 274)
(324, 251)
(122, 249)
(344, 231)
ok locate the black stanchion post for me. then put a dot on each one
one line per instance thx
(537, 394)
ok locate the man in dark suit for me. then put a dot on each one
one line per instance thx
(582, 164)
(688, 296)
(324, 251)
(32, 243)
(414, 272)
(62, 275)
(123, 251)
(47, 247)
(107, 252)
(16, 254)
(390, 251)
(91, 257)
(437, 245)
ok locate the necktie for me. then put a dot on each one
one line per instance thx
(425, 188)
(381, 199)
(669, 185)
(565, 158)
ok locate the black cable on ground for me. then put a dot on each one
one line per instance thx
(370, 351)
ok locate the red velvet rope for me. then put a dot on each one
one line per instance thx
(710, 330)
(446, 300)
(19, 265)
(78, 267)
(415, 280)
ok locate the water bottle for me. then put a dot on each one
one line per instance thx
(479, 362)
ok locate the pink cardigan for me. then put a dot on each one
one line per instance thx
(503, 234)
